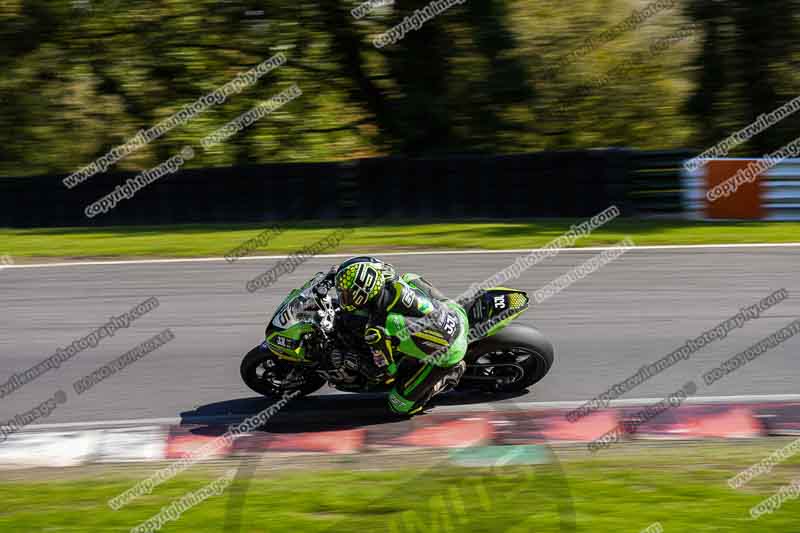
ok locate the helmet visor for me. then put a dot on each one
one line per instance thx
(346, 299)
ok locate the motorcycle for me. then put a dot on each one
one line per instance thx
(309, 342)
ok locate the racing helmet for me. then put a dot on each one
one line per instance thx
(360, 281)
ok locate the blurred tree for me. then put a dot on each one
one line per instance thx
(747, 67)
(79, 77)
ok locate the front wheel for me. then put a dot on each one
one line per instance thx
(270, 376)
(510, 361)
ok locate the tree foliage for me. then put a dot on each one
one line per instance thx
(79, 77)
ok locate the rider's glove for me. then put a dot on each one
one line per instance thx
(327, 282)
(331, 275)
(382, 348)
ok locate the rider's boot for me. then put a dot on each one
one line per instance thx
(451, 380)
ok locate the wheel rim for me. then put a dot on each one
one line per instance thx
(506, 366)
(263, 376)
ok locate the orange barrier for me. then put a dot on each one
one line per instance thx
(745, 203)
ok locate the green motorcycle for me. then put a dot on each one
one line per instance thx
(309, 342)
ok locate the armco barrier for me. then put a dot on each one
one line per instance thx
(774, 195)
(547, 184)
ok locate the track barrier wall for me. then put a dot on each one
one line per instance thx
(546, 184)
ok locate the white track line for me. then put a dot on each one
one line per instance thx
(497, 406)
(632, 402)
(108, 423)
(395, 254)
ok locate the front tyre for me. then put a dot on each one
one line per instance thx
(270, 376)
(510, 361)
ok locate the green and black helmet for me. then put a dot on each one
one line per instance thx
(360, 281)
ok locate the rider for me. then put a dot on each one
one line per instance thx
(417, 337)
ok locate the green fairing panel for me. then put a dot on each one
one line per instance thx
(287, 343)
(296, 331)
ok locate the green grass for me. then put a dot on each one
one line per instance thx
(683, 489)
(216, 240)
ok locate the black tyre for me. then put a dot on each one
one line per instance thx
(263, 372)
(510, 361)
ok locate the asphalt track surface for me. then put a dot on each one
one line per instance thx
(604, 328)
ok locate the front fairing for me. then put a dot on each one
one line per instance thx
(292, 322)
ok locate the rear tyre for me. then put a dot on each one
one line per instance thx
(510, 361)
(265, 373)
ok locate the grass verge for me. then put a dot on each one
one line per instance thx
(683, 487)
(217, 240)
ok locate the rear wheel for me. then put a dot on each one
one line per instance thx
(266, 374)
(510, 361)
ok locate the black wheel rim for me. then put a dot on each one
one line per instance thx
(507, 366)
(264, 376)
